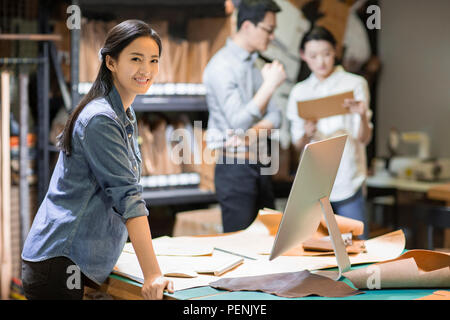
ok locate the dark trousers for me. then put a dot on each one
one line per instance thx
(52, 279)
(241, 191)
(354, 208)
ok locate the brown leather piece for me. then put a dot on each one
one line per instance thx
(414, 269)
(288, 285)
(272, 218)
(321, 245)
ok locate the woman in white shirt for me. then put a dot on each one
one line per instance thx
(318, 50)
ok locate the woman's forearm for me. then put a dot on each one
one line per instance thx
(365, 131)
(140, 236)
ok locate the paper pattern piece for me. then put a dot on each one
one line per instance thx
(323, 107)
(254, 243)
(185, 272)
(190, 267)
(413, 269)
(289, 285)
(167, 246)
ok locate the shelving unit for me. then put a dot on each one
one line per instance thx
(158, 100)
(183, 98)
(178, 196)
(170, 97)
(164, 98)
(170, 104)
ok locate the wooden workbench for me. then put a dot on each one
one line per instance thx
(121, 288)
(408, 190)
(440, 192)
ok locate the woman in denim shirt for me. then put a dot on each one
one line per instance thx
(94, 201)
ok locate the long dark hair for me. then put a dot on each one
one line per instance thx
(315, 33)
(318, 33)
(117, 39)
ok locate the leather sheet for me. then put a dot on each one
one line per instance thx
(316, 245)
(288, 285)
(324, 107)
(272, 218)
(413, 269)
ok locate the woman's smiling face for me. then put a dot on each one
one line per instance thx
(137, 66)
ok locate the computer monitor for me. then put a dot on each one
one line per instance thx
(309, 199)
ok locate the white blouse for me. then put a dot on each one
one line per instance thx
(353, 168)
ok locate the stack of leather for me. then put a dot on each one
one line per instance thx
(182, 60)
(332, 14)
(335, 19)
(166, 153)
(156, 149)
(93, 35)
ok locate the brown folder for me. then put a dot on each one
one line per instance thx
(323, 107)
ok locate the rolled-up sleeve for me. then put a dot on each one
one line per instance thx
(107, 154)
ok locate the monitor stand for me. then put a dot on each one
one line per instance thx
(343, 261)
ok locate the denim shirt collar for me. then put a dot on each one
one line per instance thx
(115, 101)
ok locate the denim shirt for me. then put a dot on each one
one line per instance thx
(92, 192)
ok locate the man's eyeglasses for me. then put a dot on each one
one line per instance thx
(269, 31)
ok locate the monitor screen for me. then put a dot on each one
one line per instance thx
(313, 181)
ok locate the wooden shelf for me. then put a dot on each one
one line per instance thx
(178, 196)
(170, 103)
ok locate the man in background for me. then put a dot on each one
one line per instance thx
(239, 98)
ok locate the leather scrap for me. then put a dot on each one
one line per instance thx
(413, 269)
(272, 219)
(437, 295)
(289, 285)
(321, 245)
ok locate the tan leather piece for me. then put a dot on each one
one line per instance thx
(289, 285)
(413, 269)
(326, 246)
(272, 218)
(323, 107)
